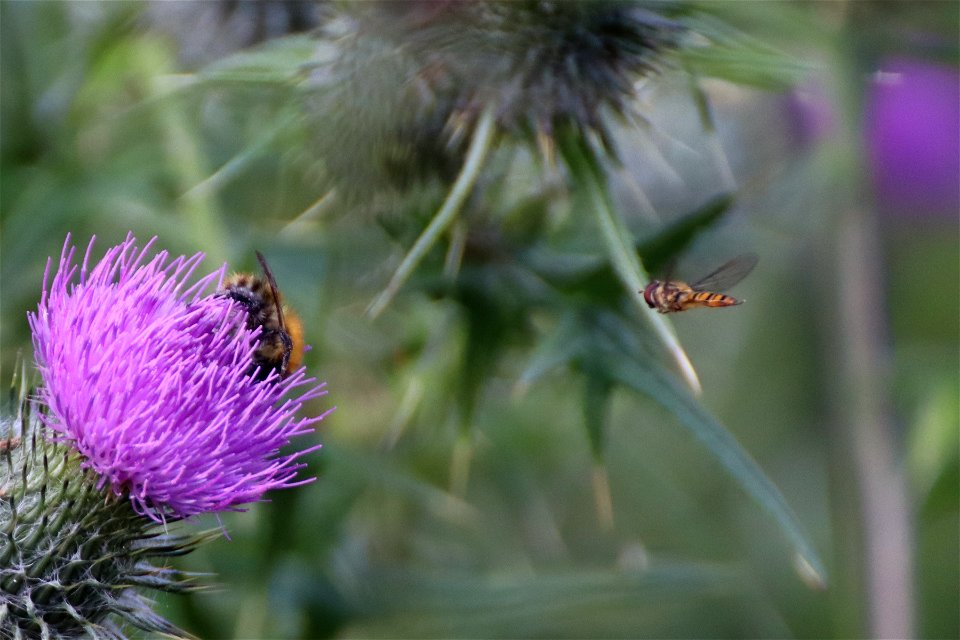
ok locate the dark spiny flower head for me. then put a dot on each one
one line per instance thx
(147, 379)
(546, 65)
(408, 72)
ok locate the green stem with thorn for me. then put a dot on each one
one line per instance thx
(477, 154)
(619, 245)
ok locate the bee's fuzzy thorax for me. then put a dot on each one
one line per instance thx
(255, 296)
(281, 333)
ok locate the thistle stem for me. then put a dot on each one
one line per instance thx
(460, 464)
(479, 149)
(624, 259)
(199, 209)
(601, 496)
(230, 170)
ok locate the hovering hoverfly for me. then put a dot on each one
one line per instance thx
(670, 296)
(281, 333)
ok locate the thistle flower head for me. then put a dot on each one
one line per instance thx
(406, 80)
(147, 378)
(554, 64)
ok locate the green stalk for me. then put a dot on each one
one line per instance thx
(479, 149)
(623, 257)
(199, 209)
(460, 464)
(214, 182)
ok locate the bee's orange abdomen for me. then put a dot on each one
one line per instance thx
(294, 329)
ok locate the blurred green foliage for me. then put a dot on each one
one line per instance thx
(514, 345)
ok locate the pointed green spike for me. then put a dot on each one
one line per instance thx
(619, 242)
(476, 156)
(659, 385)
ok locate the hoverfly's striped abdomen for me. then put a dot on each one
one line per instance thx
(710, 299)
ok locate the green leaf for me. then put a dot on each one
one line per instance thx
(628, 365)
(739, 58)
(609, 351)
(487, 327)
(657, 251)
(590, 277)
(563, 604)
(596, 406)
(480, 146)
(560, 348)
(588, 174)
(281, 60)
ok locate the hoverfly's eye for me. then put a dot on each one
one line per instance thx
(648, 294)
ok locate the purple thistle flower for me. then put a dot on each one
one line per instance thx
(147, 378)
(912, 130)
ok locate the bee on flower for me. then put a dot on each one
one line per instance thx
(281, 332)
(149, 379)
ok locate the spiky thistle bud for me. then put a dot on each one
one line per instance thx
(552, 65)
(406, 80)
(147, 414)
(72, 556)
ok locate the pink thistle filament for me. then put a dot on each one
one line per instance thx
(147, 378)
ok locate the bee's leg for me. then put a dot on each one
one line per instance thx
(287, 350)
(273, 353)
(261, 367)
(251, 303)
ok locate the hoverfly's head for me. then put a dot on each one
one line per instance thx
(648, 293)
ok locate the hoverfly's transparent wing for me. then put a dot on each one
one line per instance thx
(669, 269)
(273, 289)
(727, 275)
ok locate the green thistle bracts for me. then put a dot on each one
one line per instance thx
(146, 415)
(73, 555)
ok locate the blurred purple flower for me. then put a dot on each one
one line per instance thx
(913, 134)
(147, 378)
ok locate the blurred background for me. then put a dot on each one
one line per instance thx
(484, 474)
